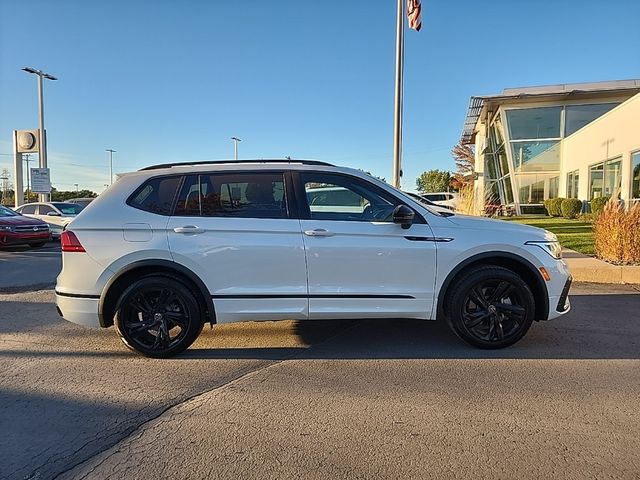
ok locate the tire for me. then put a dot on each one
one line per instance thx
(158, 317)
(37, 244)
(490, 307)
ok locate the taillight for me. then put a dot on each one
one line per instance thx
(70, 242)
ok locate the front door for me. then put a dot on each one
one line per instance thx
(237, 232)
(360, 263)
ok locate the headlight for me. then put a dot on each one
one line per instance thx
(553, 248)
(6, 228)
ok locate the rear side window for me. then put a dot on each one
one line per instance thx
(156, 195)
(242, 195)
(28, 210)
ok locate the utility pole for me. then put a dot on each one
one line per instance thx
(111, 151)
(43, 138)
(235, 147)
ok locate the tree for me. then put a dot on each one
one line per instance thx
(433, 181)
(465, 159)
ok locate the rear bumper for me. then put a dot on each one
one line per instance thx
(80, 309)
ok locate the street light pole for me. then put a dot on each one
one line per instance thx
(41, 133)
(76, 185)
(235, 147)
(110, 150)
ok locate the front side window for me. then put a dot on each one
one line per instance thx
(242, 195)
(28, 210)
(338, 197)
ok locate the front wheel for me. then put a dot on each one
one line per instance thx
(491, 307)
(158, 317)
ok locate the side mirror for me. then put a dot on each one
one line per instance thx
(403, 215)
(53, 214)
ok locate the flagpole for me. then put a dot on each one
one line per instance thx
(397, 116)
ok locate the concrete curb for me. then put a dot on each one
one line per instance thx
(591, 270)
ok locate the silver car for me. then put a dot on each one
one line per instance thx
(56, 214)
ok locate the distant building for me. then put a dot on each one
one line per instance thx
(578, 140)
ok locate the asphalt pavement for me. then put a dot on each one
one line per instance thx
(351, 399)
(25, 268)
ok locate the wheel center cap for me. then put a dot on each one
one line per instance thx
(492, 309)
(157, 317)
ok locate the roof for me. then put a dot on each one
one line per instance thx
(543, 92)
(287, 161)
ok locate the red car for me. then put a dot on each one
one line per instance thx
(18, 229)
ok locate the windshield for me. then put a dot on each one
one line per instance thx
(68, 208)
(6, 212)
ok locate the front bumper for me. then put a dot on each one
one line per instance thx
(14, 238)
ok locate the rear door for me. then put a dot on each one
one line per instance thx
(239, 233)
(360, 263)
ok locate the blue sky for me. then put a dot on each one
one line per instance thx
(163, 81)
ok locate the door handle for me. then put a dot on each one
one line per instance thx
(189, 229)
(319, 232)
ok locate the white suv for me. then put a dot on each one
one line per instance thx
(172, 247)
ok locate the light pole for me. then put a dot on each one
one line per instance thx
(110, 150)
(43, 138)
(76, 185)
(235, 146)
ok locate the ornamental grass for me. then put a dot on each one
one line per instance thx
(617, 233)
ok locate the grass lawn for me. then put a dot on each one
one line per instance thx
(574, 234)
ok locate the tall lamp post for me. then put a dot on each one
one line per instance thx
(43, 138)
(235, 147)
(76, 185)
(111, 151)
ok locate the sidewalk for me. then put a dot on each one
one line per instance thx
(589, 269)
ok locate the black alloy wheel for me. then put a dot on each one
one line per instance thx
(158, 317)
(492, 307)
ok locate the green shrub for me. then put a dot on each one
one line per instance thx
(617, 234)
(571, 207)
(597, 205)
(554, 206)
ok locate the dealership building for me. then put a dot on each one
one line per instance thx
(578, 140)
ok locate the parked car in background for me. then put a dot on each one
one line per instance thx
(56, 214)
(83, 202)
(444, 199)
(17, 229)
(429, 203)
(172, 247)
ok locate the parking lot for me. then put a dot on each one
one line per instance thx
(23, 267)
(353, 399)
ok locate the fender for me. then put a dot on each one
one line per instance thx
(542, 310)
(165, 264)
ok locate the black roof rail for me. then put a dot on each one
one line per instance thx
(222, 162)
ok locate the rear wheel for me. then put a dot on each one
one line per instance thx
(491, 307)
(158, 317)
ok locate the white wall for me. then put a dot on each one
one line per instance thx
(621, 128)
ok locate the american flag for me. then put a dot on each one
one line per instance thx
(414, 14)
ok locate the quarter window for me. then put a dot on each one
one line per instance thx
(242, 195)
(156, 195)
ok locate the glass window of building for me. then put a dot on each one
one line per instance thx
(596, 177)
(577, 116)
(534, 123)
(554, 187)
(635, 175)
(612, 177)
(536, 156)
(605, 179)
(573, 179)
